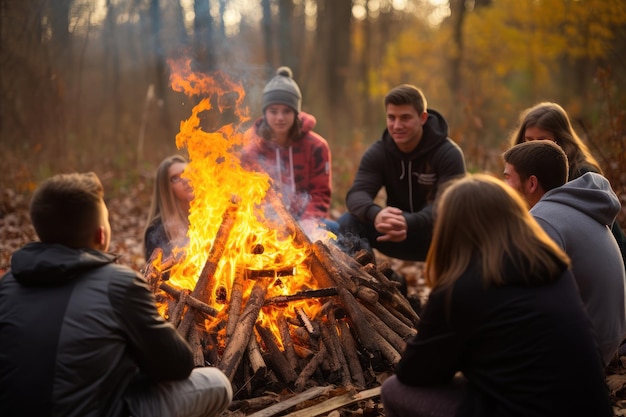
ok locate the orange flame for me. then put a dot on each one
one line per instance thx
(257, 240)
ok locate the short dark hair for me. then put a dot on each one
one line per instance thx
(542, 158)
(65, 208)
(407, 94)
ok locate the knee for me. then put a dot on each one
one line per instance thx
(215, 384)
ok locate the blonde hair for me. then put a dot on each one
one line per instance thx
(165, 205)
(66, 209)
(479, 215)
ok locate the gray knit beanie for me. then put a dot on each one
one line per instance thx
(282, 89)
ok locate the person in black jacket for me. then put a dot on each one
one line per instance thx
(504, 332)
(79, 334)
(411, 161)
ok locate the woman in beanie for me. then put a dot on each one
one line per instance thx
(282, 144)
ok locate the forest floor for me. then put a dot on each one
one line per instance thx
(128, 215)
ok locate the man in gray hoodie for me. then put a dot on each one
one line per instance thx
(577, 215)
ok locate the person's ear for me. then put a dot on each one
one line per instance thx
(533, 184)
(424, 117)
(99, 238)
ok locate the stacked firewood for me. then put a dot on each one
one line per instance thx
(362, 328)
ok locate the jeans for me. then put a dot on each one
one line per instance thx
(206, 393)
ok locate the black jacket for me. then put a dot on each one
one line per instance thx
(410, 180)
(75, 328)
(527, 348)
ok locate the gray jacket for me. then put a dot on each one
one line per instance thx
(577, 216)
(75, 328)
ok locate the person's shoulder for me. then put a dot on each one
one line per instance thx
(119, 273)
(312, 141)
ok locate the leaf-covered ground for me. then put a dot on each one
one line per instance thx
(128, 216)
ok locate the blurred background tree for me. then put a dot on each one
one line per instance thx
(85, 84)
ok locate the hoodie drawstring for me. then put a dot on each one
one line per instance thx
(292, 179)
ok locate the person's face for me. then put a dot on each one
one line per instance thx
(536, 133)
(280, 118)
(405, 125)
(180, 186)
(512, 178)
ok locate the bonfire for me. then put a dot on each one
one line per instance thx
(273, 306)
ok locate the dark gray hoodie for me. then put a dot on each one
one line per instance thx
(577, 216)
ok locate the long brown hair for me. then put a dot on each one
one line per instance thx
(480, 215)
(553, 118)
(295, 132)
(165, 205)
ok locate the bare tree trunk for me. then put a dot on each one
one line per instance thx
(322, 39)
(364, 68)
(285, 34)
(61, 57)
(28, 96)
(457, 16)
(182, 37)
(266, 25)
(203, 36)
(340, 18)
(112, 67)
(161, 78)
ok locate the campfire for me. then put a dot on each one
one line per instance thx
(273, 306)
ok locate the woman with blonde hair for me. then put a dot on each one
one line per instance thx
(169, 211)
(504, 311)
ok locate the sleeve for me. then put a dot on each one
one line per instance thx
(550, 230)
(432, 356)
(154, 238)
(158, 348)
(320, 187)
(449, 163)
(367, 183)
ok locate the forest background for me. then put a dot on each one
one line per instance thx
(85, 84)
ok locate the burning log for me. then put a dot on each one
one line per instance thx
(285, 336)
(362, 327)
(196, 346)
(371, 331)
(255, 357)
(302, 295)
(189, 300)
(331, 325)
(270, 273)
(397, 300)
(330, 269)
(239, 341)
(310, 368)
(277, 360)
(401, 328)
(234, 307)
(349, 348)
(204, 285)
(290, 223)
(390, 336)
(177, 314)
(203, 288)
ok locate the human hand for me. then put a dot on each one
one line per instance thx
(391, 224)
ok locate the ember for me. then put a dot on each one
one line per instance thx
(252, 293)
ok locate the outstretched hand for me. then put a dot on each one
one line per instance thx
(391, 224)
